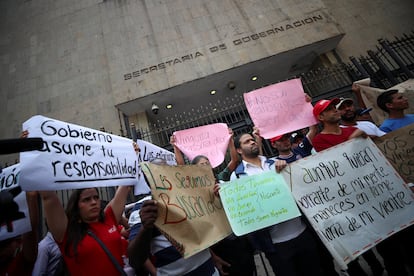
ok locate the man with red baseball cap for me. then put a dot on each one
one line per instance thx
(285, 150)
(332, 134)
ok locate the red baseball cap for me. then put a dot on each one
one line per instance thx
(277, 138)
(321, 105)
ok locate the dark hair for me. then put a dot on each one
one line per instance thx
(76, 229)
(197, 159)
(238, 137)
(384, 98)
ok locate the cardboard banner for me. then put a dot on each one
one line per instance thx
(75, 157)
(370, 94)
(209, 140)
(258, 201)
(14, 214)
(189, 214)
(149, 152)
(398, 147)
(279, 108)
(352, 196)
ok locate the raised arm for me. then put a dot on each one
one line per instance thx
(119, 201)
(178, 154)
(313, 130)
(358, 133)
(258, 138)
(139, 247)
(56, 218)
(234, 156)
(30, 239)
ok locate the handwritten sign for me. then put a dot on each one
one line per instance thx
(75, 157)
(279, 108)
(14, 214)
(352, 197)
(398, 147)
(209, 140)
(189, 214)
(149, 152)
(255, 202)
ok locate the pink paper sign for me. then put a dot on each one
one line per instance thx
(279, 108)
(209, 140)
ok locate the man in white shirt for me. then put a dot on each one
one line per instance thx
(289, 246)
(349, 118)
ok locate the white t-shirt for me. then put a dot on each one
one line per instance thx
(369, 128)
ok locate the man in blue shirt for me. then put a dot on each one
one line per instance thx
(394, 103)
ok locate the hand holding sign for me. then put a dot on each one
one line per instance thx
(255, 202)
(189, 214)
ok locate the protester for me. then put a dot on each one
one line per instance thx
(73, 230)
(332, 134)
(48, 257)
(394, 103)
(288, 151)
(168, 261)
(290, 154)
(296, 138)
(224, 175)
(289, 246)
(18, 254)
(135, 224)
(232, 255)
(398, 249)
(349, 118)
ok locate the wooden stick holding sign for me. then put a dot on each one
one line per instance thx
(189, 214)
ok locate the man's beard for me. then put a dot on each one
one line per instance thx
(348, 118)
(254, 152)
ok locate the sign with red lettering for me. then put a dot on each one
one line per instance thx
(352, 196)
(189, 214)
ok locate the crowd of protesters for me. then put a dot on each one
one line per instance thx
(88, 238)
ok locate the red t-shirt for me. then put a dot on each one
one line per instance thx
(324, 141)
(91, 258)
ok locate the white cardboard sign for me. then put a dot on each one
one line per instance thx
(352, 196)
(76, 157)
(148, 152)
